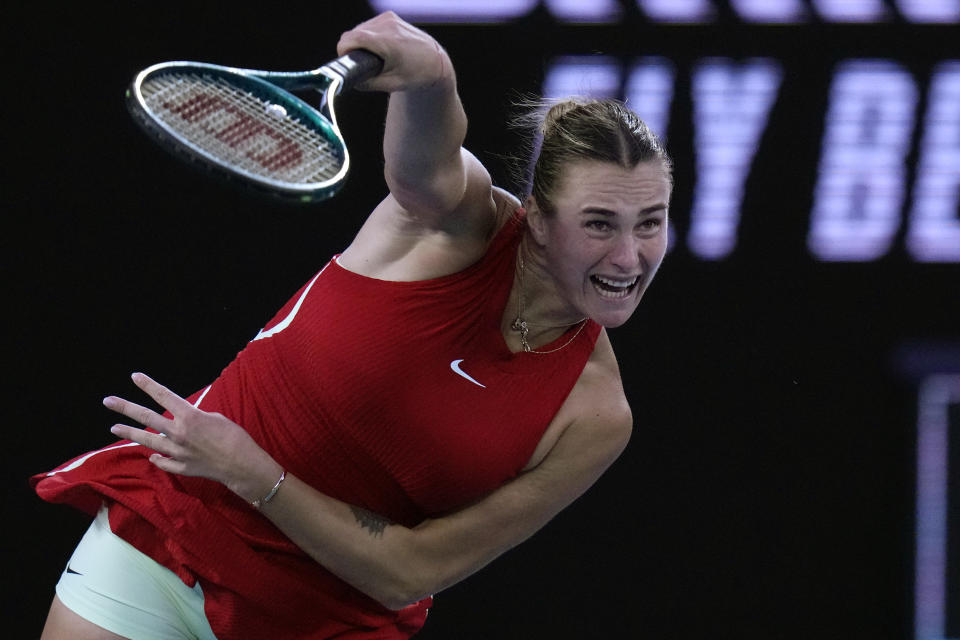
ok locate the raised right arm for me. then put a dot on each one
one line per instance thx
(440, 212)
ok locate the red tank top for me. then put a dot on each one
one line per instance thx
(399, 397)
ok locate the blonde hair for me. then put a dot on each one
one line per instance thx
(586, 129)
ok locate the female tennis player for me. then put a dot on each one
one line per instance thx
(430, 399)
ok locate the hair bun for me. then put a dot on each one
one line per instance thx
(556, 112)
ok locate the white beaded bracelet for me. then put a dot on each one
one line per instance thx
(267, 498)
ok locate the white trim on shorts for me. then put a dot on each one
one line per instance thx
(118, 588)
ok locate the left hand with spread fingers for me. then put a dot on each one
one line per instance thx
(194, 442)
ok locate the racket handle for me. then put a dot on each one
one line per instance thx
(357, 66)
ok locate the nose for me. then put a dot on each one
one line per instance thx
(625, 253)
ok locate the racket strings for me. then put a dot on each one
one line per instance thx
(241, 129)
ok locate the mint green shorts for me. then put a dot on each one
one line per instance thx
(118, 588)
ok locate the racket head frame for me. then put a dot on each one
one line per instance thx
(273, 88)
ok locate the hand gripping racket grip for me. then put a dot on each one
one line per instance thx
(355, 67)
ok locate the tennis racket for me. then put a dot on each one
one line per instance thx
(247, 126)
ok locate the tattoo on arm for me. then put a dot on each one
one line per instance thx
(369, 520)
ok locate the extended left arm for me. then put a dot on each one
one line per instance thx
(395, 565)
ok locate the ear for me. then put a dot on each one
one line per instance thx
(536, 220)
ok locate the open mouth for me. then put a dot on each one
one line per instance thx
(610, 288)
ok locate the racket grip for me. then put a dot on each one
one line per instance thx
(357, 66)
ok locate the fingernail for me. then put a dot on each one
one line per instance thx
(108, 401)
(115, 430)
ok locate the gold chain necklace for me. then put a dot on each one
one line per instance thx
(523, 327)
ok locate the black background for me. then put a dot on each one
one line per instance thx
(768, 488)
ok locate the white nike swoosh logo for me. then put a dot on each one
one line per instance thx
(455, 365)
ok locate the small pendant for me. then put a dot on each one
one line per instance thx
(521, 326)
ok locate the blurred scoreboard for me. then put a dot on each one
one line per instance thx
(888, 173)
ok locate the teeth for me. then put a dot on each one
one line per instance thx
(616, 283)
(613, 288)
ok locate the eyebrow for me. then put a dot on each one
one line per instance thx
(607, 212)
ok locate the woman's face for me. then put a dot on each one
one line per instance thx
(607, 237)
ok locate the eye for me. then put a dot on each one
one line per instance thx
(651, 224)
(598, 225)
